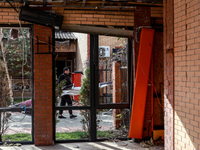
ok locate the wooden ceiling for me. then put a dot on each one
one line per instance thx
(97, 4)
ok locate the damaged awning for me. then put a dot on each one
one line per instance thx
(62, 35)
(65, 41)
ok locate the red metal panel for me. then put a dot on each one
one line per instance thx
(76, 79)
(148, 116)
(141, 83)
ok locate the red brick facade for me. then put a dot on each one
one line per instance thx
(169, 74)
(181, 53)
(43, 102)
(187, 74)
(91, 17)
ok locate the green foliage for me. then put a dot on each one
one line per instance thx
(104, 134)
(81, 135)
(17, 52)
(59, 90)
(70, 135)
(85, 99)
(19, 137)
(85, 88)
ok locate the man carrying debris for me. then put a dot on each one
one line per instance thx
(66, 98)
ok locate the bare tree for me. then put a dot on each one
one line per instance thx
(6, 68)
(4, 100)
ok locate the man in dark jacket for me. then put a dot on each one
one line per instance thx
(66, 98)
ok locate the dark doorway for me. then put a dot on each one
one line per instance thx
(60, 64)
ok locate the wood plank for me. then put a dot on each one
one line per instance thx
(97, 30)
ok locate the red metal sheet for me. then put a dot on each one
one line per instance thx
(76, 80)
(141, 83)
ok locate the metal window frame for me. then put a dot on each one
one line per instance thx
(94, 86)
(5, 109)
(129, 82)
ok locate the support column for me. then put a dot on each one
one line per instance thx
(43, 106)
(117, 94)
(169, 73)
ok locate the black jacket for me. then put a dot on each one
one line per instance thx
(68, 84)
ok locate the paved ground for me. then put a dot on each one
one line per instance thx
(21, 123)
(113, 145)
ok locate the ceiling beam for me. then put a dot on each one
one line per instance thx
(83, 4)
(44, 3)
(103, 3)
(91, 3)
(64, 2)
(98, 30)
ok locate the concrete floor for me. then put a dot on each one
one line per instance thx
(108, 145)
(25, 126)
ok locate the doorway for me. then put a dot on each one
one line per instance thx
(102, 105)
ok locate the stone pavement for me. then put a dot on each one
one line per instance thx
(21, 123)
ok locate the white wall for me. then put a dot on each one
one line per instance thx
(82, 52)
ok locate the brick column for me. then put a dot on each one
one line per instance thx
(43, 107)
(169, 73)
(116, 90)
(141, 18)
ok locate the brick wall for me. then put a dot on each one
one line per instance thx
(43, 107)
(84, 17)
(112, 41)
(169, 99)
(186, 74)
(168, 74)
(8, 15)
(181, 60)
(91, 17)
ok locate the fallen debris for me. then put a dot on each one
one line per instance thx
(150, 144)
(12, 144)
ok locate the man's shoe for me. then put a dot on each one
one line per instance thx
(61, 117)
(73, 116)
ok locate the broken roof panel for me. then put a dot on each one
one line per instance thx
(62, 35)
